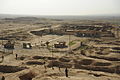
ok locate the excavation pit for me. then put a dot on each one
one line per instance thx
(21, 58)
(34, 63)
(98, 68)
(27, 76)
(42, 57)
(86, 62)
(39, 57)
(102, 64)
(11, 69)
(51, 58)
(64, 60)
(59, 64)
(116, 48)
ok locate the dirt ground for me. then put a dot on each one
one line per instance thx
(90, 62)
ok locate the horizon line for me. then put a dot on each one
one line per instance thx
(59, 15)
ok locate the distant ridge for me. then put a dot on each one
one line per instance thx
(68, 17)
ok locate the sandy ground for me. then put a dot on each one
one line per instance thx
(49, 73)
(38, 71)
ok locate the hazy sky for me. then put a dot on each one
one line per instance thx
(60, 7)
